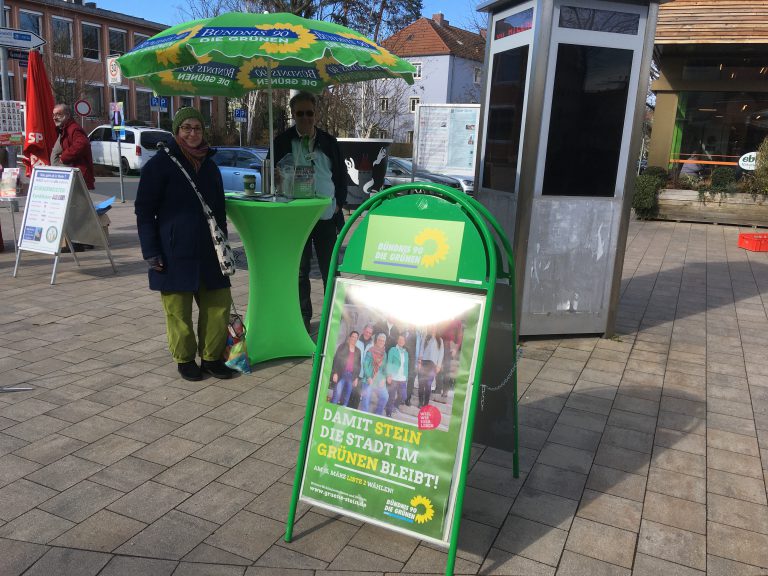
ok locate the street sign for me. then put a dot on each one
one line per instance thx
(240, 115)
(18, 54)
(82, 107)
(114, 76)
(19, 39)
(158, 104)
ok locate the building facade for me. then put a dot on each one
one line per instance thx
(449, 70)
(712, 92)
(79, 38)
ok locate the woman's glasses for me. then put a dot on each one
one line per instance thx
(189, 129)
(302, 113)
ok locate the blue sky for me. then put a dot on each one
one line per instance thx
(457, 12)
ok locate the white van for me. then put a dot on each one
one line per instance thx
(139, 145)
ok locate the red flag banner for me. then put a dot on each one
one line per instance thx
(40, 132)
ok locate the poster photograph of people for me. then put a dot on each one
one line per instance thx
(391, 404)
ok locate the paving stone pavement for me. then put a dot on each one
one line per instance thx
(642, 454)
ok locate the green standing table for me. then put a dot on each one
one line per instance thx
(273, 235)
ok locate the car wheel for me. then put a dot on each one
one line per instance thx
(124, 164)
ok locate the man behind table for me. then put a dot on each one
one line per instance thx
(72, 148)
(318, 151)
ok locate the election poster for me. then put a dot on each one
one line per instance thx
(389, 423)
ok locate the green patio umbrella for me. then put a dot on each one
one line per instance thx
(235, 53)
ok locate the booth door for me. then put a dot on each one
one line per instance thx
(589, 103)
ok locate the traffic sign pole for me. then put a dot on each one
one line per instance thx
(114, 77)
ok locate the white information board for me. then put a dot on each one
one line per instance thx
(59, 208)
(446, 138)
(43, 223)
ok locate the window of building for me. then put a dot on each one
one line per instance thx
(478, 76)
(31, 21)
(12, 87)
(384, 104)
(382, 134)
(138, 39)
(91, 34)
(94, 94)
(123, 96)
(589, 100)
(409, 137)
(118, 41)
(64, 90)
(417, 74)
(143, 110)
(206, 109)
(514, 24)
(7, 13)
(187, 101)
(412, 103)
(718, 128)
(62, 36)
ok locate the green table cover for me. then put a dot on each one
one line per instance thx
(273, 235)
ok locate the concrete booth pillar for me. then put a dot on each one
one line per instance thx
(560, 135)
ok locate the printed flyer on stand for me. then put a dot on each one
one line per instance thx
(387, 432)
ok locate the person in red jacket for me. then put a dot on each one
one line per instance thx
(72, 148)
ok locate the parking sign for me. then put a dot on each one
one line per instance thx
(240, 115)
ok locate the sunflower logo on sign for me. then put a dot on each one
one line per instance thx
(429, 510)
(441, 246)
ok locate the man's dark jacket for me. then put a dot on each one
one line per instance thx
(171, 223)
(329, 146)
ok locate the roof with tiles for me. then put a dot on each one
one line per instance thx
(436, 37)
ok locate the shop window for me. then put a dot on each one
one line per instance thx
(505, 115)
(91, 36)
(716, 128)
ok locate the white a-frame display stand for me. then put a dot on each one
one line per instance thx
(59, 207)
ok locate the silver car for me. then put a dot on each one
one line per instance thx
(235, 162)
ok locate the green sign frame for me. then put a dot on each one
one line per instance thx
(427, 260)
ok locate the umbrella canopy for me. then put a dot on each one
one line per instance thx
(40, 129)
(234, 53)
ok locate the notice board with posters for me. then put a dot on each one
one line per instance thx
(390, 464)
(12, 116)
(445, 138)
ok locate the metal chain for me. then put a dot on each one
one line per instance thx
(504, 382)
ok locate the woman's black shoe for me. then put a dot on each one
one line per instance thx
(190, 371)
(217, 369)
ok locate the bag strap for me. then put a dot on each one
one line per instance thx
(164, 147)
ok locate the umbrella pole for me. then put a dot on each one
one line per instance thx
(271, 129)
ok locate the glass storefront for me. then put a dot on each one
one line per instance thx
(716, 129)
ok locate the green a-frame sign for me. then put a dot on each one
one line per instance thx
(427, 264)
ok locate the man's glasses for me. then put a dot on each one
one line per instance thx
(189, 129)
(302, 113)
(59, 114)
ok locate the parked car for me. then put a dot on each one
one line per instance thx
(399, 172)
(466, 183)
(139, 145)
(235, 162)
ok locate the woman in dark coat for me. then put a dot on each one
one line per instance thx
(176, 243)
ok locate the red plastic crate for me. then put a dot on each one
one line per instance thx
(754, 242)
